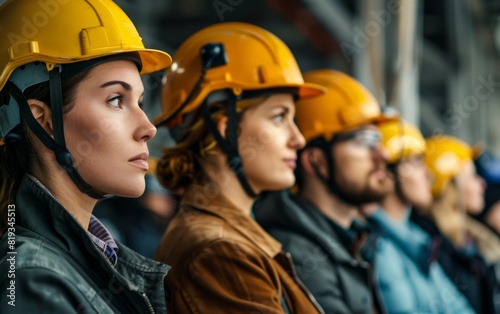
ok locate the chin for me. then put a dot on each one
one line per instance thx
(280, 185)
(475, 210)
(424, 203)
(132, 190)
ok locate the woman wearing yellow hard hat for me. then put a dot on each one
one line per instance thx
(458, 191)
(73, 131)
(409, 278)
(229, 101)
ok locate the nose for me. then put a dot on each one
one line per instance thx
(379, 153)
(428, 173)
(482, 183)
(297, 140)
(145, 129)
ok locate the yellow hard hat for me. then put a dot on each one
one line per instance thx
(246, 58)
(446, 156)
(401, 140)
(62, 32)
(345, 105)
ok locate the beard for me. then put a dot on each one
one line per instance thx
(368, 193)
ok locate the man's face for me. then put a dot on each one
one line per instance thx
(359, 165)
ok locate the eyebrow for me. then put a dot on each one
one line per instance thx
(110, 83)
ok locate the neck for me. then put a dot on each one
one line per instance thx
(60, 185)
(395, 207)
(329, 204)
(224, 183)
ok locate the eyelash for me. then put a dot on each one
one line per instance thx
(120, 101)
(280, 115)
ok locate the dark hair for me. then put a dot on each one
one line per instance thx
(15, 158)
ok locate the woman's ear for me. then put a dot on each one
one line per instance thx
(222, 126)
(42, 114)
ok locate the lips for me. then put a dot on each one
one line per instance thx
(291, 162)
(380, 173)
(140, 161)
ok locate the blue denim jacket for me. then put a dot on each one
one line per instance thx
(409, 278)
(58, 269)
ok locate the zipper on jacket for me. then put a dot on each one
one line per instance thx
(301, 285)
(148, 303)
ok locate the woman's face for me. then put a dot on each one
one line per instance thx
(106, 130)
(471, 188)
(415, 181)
(268, 143)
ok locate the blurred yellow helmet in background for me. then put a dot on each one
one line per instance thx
(345, 105)
(446, 156)
(401, 140)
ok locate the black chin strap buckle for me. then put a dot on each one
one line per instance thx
(235, 164)
(63, 158)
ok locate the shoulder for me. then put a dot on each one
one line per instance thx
(194, 235)
(39, 287)
(227, 250)
(226, 262)
(33, 251)
(388, 258)
(298, 244)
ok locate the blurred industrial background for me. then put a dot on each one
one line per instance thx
(434, 61)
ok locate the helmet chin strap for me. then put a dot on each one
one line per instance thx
(56, 144)
(393, 168)
(229, 146)
(330, 181)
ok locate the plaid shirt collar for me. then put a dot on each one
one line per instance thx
(103, 240)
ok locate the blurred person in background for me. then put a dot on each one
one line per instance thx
(488, 167)
(408, 276)
(464, 244)
(229, 101)
(73, 132)
(491, 213)
(341, 168)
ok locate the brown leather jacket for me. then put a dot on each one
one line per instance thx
(224, 262)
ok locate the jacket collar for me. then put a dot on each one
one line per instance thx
(278, 210)
(38, 211)
(243, 223)
(411, 240)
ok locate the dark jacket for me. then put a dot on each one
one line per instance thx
(226, 263)
(339, 282)
(467, 270)
(58, 269)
